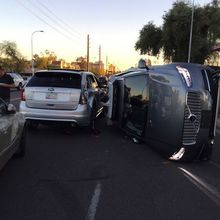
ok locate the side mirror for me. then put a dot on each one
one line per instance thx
(11, 109)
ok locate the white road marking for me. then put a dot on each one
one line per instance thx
(94, 202)
(206, 188)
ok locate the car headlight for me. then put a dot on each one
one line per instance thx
(185, 75)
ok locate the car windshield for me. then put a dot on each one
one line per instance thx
(15, 75)
(56, 79)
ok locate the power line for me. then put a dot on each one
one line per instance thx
(53, 20)
(45, 22)
(59, 19)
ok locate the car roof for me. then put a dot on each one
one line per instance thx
(80, 72)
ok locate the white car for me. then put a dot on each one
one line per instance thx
(12, 133)
(18, 80)
(62, 95)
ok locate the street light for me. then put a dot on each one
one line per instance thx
(32, 53)
(190, 36)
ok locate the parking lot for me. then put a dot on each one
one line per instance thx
(80, 175)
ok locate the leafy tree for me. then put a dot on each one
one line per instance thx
(176, 29)
(150, 40)
(213, 17)
(173, 36)
(44, 59)
(11, 58)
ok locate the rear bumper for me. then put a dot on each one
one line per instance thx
(80, 116)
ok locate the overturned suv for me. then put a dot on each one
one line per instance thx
(172, 107)
(62, 95)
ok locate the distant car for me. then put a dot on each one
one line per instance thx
(26, 78)
(12, 133)
(172, 107)
(18, 80)
(62, 96)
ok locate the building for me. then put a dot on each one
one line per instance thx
(57, 64)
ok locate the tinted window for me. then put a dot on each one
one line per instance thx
(206, 78)
(55, 79)
(136, 103)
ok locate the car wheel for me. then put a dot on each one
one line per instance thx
(22, 145)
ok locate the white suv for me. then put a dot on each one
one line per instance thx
(18, 80)
(62, 95)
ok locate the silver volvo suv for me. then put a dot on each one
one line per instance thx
(62, 95)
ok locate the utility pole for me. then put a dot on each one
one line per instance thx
(88, 52)
(191, 30)
(99, 59)
(32, 53)
(106, 70)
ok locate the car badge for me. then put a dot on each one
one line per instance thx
(51, 89)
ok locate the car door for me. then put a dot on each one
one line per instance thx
(99, 93)
(5, 128)
(93, 90)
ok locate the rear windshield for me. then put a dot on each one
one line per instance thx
(55, 79)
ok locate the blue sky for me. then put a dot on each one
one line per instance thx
(113, 24)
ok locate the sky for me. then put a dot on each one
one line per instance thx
(113, 25)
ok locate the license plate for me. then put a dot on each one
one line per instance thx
(51, 95)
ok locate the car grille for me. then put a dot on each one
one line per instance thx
(191, 127)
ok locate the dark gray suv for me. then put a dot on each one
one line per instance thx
(172, 107)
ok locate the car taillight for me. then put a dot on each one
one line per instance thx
(23, 95)
(83, 98)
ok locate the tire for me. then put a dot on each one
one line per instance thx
(22, 145)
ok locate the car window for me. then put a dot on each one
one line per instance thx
(91, 82)
(18, 76)
(13, 75)
(96, 82)
(136, 103)
(55, 79)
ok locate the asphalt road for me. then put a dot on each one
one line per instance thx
(79, 175)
